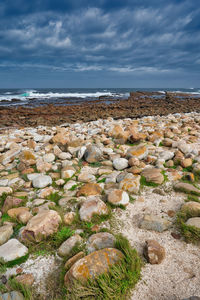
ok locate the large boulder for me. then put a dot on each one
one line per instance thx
(99, 241)
(45, 223)
(93, 265)
(12, 250)
(92, 207)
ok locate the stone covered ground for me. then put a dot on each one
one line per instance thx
(66, 191)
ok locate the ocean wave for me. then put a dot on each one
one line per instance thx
(31, 94)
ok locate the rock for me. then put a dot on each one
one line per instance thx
(194, 222)
(9, 156)
(6, 190)
(91, 207)
(85, 177)
(81, 152)
(14, 295)
(192, 298)
(67, 246)
(133, 162)
(156, 223)
(11, 202)
(92, 154)
(166, 155)
(186, 188)
(153, 175)
(42, 225)
(67, 172)
(139, 152)
(69, 217)
(26, 279)
(15, 212)
(130, 183)
(89, 189)
(24, 217)
(69, 263)
(5, 233)
(154, 252)
(12, 250)
(99, 241)
(41, 181)
(93, 265)
(49, 157)
(118, 197)
(120, 163)
(187, 162)
(192, 207)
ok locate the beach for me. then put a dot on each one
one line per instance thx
(137, 164)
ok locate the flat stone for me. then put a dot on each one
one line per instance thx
(41, 181)
(153, 175)
(92, 154)
(130, 183)
(93, 265)
(120, 163)
(192, 207)
(194, 222)
(12, 250)
(89, 189)
(70, 262)
(6, 190)
(186, 188)
(118, 197)
(49, 157)
(5, 233)
(91, 207)
(156, 223)
(154, 252)
(139, 152)
(15, 212)
(69, 244)
(99, 241)
(9, 156)
(45, 223)
(86, 177)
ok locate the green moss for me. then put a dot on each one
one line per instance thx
(192, 198)
(54, 197)
(161, 144)
(62, 235)
(3, 288)
(188, 169)
(101, 180)
(95, 164)
(6, 218)
(74, 187)
(2, 199)
(17, 261)
(131, 199)
(117, 283)
(190, 233)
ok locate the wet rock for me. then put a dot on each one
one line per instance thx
(5, 233)
(42, 225)
(154, 252)
(194, 222)
(92, 154)
(153, 175)
(89, 189)
(93, 265)
(130, 183)
(12, 250)
(99, 241)
(92, 207)
(67, 246)
(120, 163)
(118, 197)
(41, 181)
(186, 188)
(156, 223)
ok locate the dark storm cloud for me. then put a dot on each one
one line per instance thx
(115, 37)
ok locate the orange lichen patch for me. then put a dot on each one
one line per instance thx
(138, 151)
(89, 189)
(27, 155)
(83, 271)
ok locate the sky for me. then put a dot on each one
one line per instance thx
(99, 43)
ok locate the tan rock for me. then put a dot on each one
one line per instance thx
(6, 190)
(26, 279)
(45, 223)
(93, 265)
(11, 202)
(139, 152)
(187, 162)
(154, 252)
(15, 212)
(69, 217)
(92, 207)
(67, 172)
(89, 189)
(130, 183)
(192, 207)
(70, 262)
(118, 197)
(153, 175)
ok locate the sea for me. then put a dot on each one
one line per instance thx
(70, 96)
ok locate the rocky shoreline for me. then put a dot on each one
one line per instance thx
(68, 191)
(139, 104)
